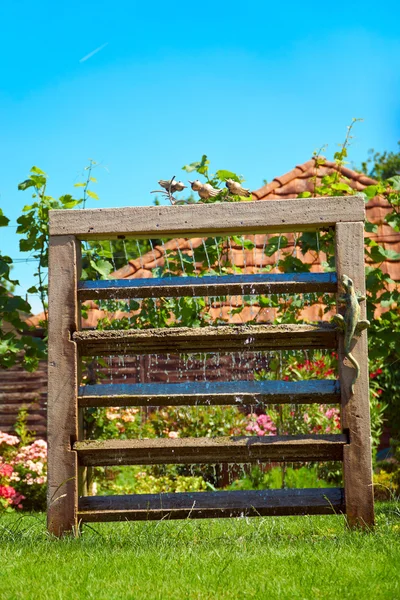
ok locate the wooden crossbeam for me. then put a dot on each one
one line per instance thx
(237, 393)
(226, 285)
(241, 449)
(199, 505)
(224, 338)
(299, 214)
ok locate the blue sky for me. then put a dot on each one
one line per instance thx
(257, 86)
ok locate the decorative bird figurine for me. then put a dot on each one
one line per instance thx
(176, 186)
(170, 187)
(235, 188)
(205, 190)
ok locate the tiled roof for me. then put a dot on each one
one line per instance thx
(306, 177)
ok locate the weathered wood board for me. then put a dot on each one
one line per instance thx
(224, 338)
(62, 411)
(198, 505)
(237, 393)
(357, 465)
(299, 214)
(241, 449)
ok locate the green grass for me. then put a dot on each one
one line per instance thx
(268, 558)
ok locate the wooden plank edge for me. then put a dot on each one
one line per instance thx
(198, 505)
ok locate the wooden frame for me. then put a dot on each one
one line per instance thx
(70, 455)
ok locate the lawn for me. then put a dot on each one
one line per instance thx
(268, 558)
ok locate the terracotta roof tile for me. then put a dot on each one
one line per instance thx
(295, 187)
(283, 179)
(366, 180)
(307, 165)
(265, 190)
(141, 274)
(123, 272)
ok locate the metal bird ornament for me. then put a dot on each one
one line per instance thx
(236, 189)
(170, 187)
(205, 190)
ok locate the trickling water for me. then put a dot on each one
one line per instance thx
(181, 258)
(232, 259)
(112, 256)
(218, 256)
(206, 253)
(193, 257)
(165, 253)
(244, 255)
(139, 254)
(153, 252)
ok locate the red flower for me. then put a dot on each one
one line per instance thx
(6, 470)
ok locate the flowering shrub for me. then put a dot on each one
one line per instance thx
(23, 473)
(261, 425)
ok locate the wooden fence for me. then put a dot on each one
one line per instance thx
(70, 455)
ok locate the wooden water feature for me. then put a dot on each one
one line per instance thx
(70, 455)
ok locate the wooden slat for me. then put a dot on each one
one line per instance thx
(357, 466)
(241, 449)
(227, 285)
(297, 214)
(237, 393)
(198, 505)
(224, 338)
(62, 497)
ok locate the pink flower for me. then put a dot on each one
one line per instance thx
(10, 440)
(6, 470)
(331, 412)
(261, 425)
(173, 434)
(7, 491)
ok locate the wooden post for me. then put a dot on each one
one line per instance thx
(355, 414)
(62, 498)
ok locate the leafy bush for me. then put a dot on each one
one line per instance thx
(277, 478)
(146, 480)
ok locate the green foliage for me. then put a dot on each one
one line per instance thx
(16, 346)
(33, 224)
(382, 165)
(146, 480)
(277, 478)
(21, 427)
(387, 476)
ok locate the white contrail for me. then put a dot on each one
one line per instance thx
(93, 53)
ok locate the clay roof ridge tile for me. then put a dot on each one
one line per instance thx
(307, 165)
(284, 179)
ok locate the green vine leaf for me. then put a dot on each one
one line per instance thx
(102, 266)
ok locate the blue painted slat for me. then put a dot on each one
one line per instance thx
(209, 285)
(210, 393)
